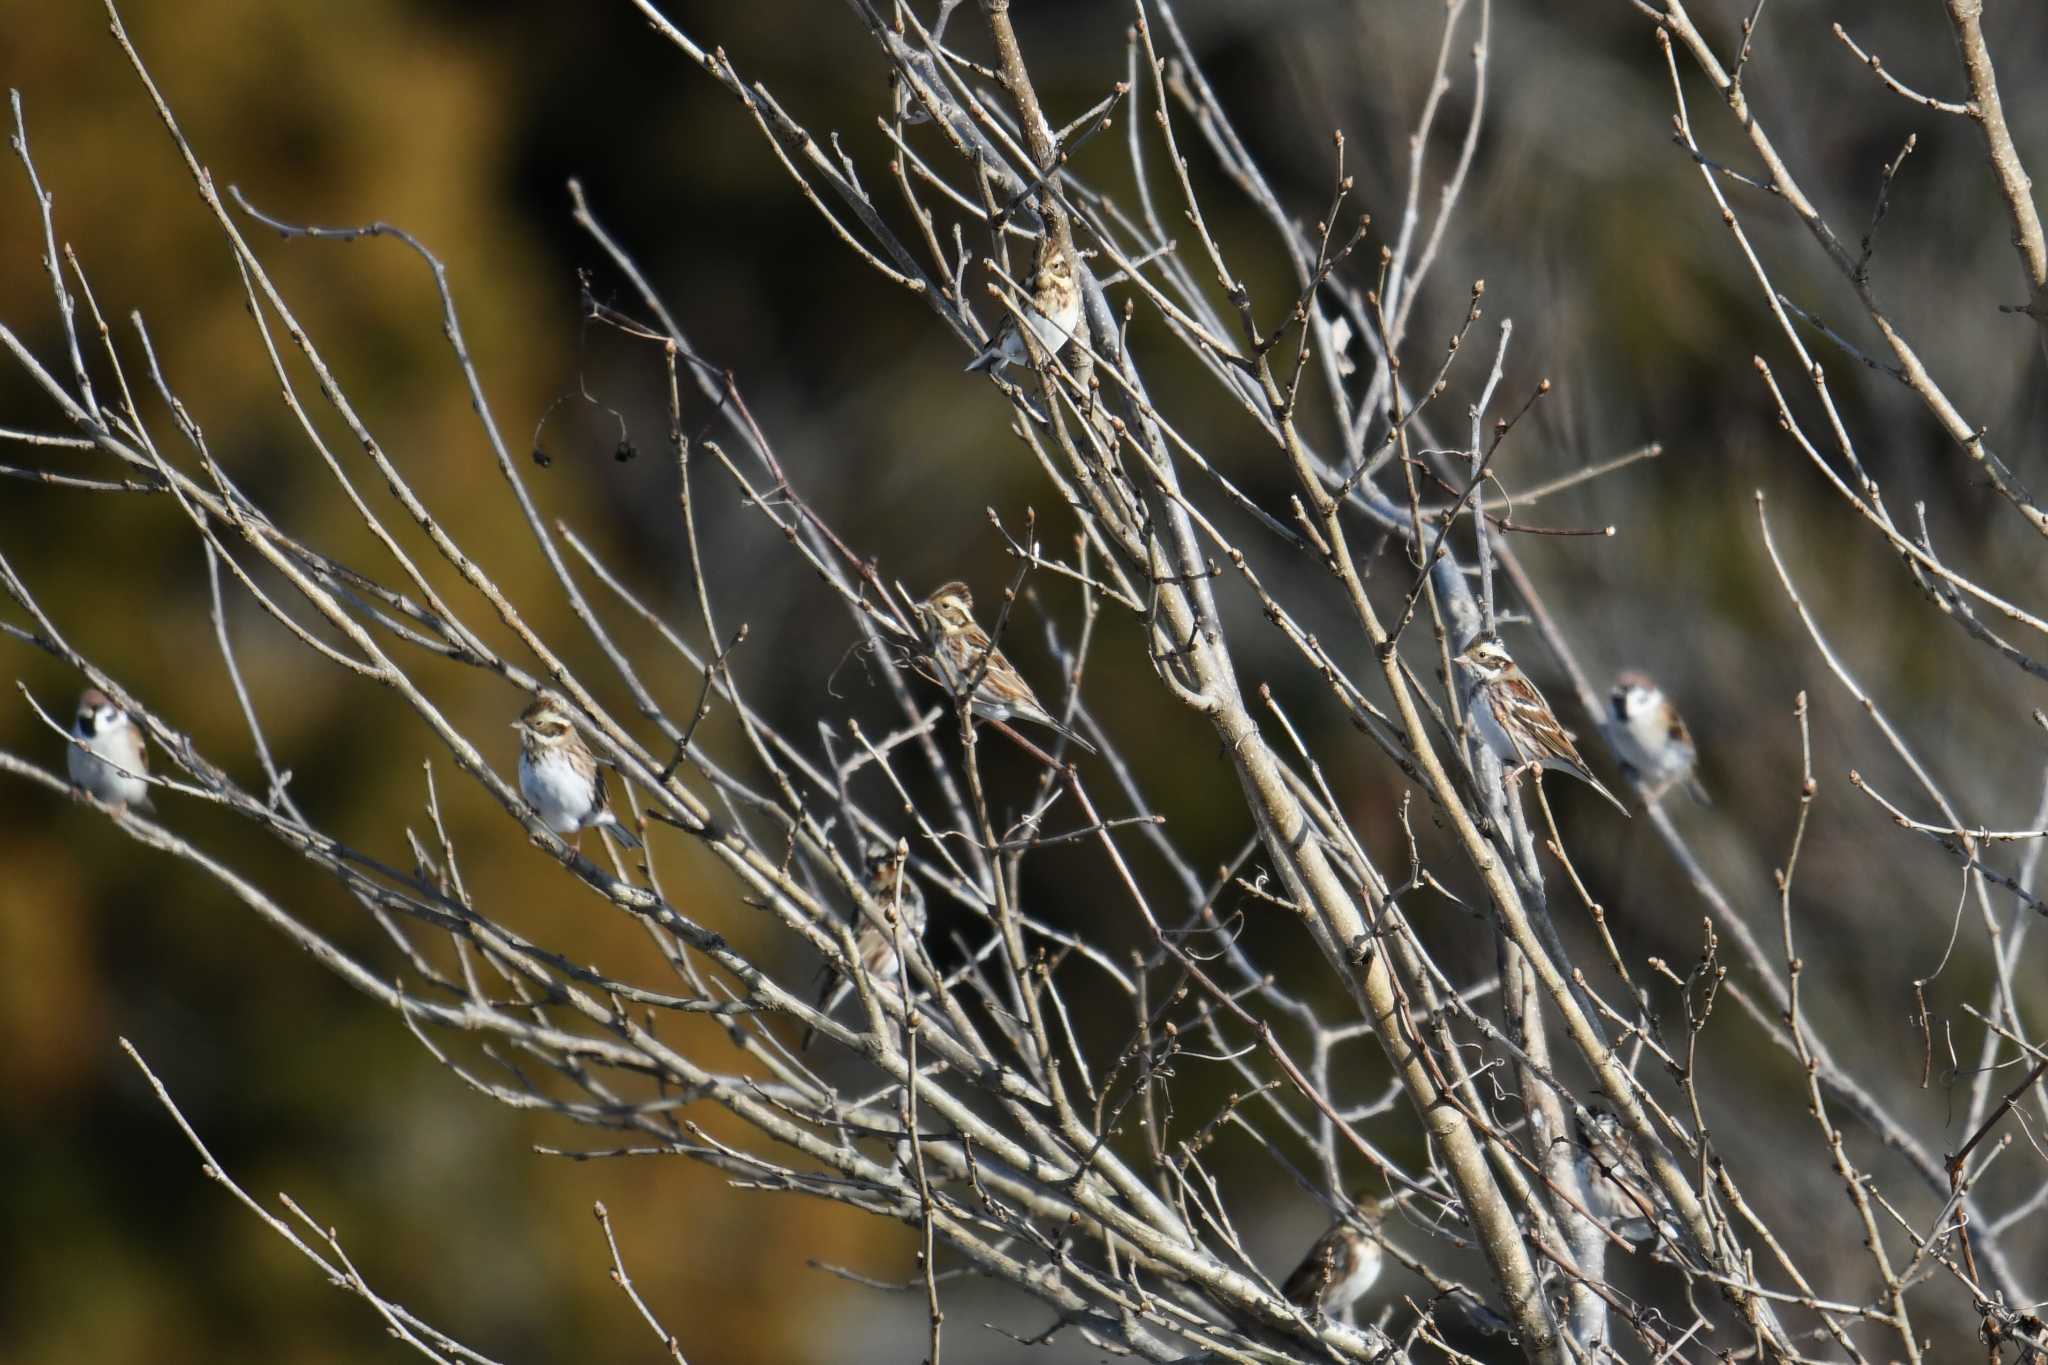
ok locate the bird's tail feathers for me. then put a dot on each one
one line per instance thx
(1594, 783)
(829, 999)
(1074, 738)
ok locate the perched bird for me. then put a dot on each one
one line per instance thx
(110, 760)
(890, 883)
(561, 777)
(960, 653)
(1619, 1190)
(1055, 312)
(1515, 721)
(1342, 1264)
(1651, 737)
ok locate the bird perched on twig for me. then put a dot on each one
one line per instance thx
(1054, 312)
(960, 655)
(1342, 1265)
(110, 759)
(890, 883)
(1515, 721)
(561, 776)
(1652, 738)
(1619, 1189)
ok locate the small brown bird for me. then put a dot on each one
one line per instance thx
(1652, 737)
(1342, 1265)
(1515, 721)
(561, 776)
(959, 650)
(110, 760)
(1055, 312)
(1619, 1189)
(890, 883)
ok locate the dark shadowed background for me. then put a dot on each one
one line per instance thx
(462, 122)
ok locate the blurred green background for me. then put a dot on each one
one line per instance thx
(461, 122)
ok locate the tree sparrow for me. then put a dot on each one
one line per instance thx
(1651, 738)
(110, 760)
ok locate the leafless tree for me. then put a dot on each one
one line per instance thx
(1552, 1133)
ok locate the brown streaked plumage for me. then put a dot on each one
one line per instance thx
(891, 886)
(1055, 312)
(1515, 721)
(959, 652)
(561, 777)
(1619, 1189)
(1342, 1265)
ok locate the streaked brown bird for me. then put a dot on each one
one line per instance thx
(1342, 1265)
(1515, 721)
(561, 776)
(1619, 1189)
(1054, 313)
(890, 884)
(959, 653)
